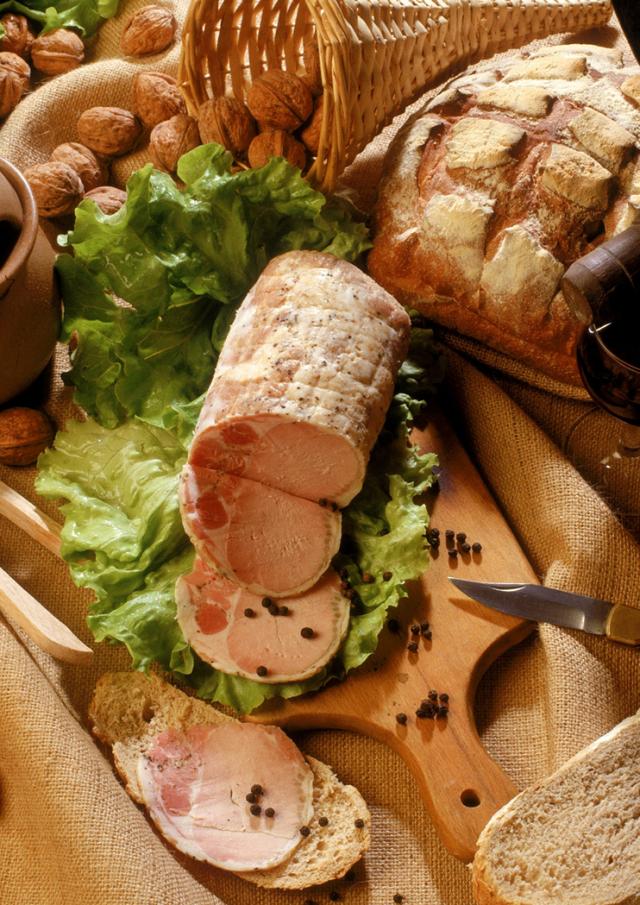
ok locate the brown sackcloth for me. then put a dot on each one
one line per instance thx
(69, 834)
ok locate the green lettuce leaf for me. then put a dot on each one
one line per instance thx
(123, 536)
(84, 15)
(181, 260)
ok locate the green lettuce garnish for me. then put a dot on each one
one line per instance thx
(182, 260)
(123, 536)
(84, 15)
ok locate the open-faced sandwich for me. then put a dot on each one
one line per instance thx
(239, 796)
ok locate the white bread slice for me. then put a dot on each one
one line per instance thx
(573, 838)
(128, 709)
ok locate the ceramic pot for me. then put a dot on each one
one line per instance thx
(29, 299)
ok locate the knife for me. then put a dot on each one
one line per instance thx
(540, 604)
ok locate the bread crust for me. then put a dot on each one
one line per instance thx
(485, 201)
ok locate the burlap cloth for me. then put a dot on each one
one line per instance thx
(69, 833)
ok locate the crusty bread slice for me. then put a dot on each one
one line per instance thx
(128, 709)
(573, 838)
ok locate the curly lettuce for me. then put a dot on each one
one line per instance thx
(84, 15)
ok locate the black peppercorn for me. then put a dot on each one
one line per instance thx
(249, 613)
(401, 718)
(453, 554)
(444, 697)
(307, 632)
(257, 789)
(267, 602)
(269, 812)
(442, 712)
(449, 534)
(251, 798)
(466, 548)
(415, 629)
(398, 899)
(323, 821)
(433, 695)
(461, 537)
(256, 810)
(424, 626)
(412, 647)
(359, 823)
(387, 576)
(262, 671)
(284, 610)
(304, 830)
(274, 609)
(427, 635)
(476, 547)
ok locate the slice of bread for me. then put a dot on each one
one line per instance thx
(572, 839)
(129, 709)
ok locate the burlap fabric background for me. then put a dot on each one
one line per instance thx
(69, 833)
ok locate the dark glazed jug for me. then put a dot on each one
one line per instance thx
(29, 301)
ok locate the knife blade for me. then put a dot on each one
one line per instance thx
(540, 604)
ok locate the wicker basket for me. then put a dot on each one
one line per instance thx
(375, 56)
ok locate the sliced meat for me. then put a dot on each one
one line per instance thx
(267, 541)
(231, 629)
(304, 380)
(195, 784)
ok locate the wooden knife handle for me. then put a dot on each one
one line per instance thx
(623, 624)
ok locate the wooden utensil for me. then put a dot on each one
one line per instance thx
(459, 782)
(40, 625)
(48, 632)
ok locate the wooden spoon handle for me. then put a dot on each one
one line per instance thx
(40, 625)
(28, 517)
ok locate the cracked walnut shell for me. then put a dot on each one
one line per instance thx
(156, 98)
(91, 170)
(110, 131)
(171, 139)
(56, 187)
(228, 122)
(57, 51)
(280, 100)
(150, 30)
(17, 37)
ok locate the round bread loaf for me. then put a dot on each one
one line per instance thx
(493, 189)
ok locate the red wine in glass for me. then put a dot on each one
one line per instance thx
(609, 363)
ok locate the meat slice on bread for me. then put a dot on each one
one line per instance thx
(504, 179)
(137, 714)
(572, 838)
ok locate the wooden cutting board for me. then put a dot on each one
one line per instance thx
(460, 784)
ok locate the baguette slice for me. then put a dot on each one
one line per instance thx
(129, 709)
(573, 838)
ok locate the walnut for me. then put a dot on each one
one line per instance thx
(150, 30)
(310, 135)
(227, 121)
(171, 139)
(16, 64)
(56, 187)
(312, 75)
(57, 51)
(24, 434)
(156, 98)
(108, 198)
(276, 144)
(280, 100)
(90, 168)
(17, 37)
(10, 91)
(110, 131)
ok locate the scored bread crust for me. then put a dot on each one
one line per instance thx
(489, 194)
(129, 709)
(486, 890)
